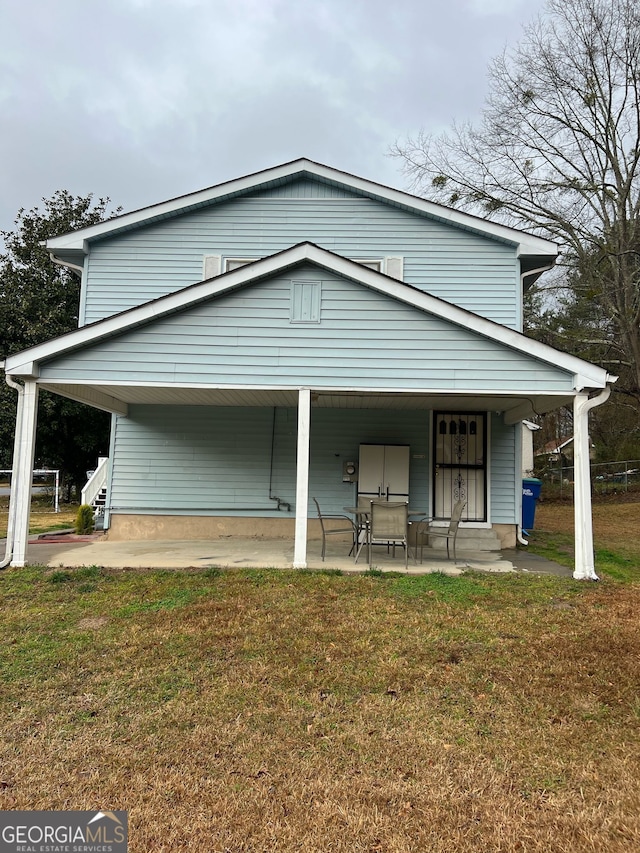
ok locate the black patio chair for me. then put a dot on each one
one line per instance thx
(330, 530)
(450, 534)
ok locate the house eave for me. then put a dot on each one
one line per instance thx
(77, 241)
(118, 396)
(586, 375)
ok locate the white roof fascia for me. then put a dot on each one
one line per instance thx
(528, 244)
(586, 375)
(321, 389)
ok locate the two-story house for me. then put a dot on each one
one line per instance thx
(251, 338)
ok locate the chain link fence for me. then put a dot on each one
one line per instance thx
(606, 478)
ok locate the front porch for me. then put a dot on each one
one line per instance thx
(306, 463)
(263, 552)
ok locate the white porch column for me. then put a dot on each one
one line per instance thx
(584, 560)
(23, 472)
(302, 478)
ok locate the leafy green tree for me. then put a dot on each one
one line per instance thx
(39, 300)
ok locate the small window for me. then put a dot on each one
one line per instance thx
(372, 265)
(305, 302)
(391, 266)
(236, 263)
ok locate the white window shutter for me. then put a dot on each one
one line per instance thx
(211, 265)
(394, 267)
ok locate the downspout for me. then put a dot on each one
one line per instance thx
(537, 272)
(520, 539)
(13, 492)
(584, 556)
(74, 267)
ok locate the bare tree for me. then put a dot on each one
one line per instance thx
(558, 151)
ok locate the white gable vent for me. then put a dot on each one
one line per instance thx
(394, 267)
(305, 301)
(211, 265)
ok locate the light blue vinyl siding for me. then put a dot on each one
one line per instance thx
(504, 471)
(469, 270)
(304, 188)
(364, 338)
(218, 461)
(192, 459)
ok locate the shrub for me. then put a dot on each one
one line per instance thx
(84, 519)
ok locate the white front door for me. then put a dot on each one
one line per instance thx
(460, 464)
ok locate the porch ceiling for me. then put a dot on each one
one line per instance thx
(515, 403)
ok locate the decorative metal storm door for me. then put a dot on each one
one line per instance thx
(460, 464)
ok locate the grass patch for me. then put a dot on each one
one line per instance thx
(463, 589)
(287, 711)
(43, 518)
(178, 598)
(616, 566)
(616, 529)
(76, 575)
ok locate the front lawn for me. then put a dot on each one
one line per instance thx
(43, 518)
(293, 711)
(616, 534)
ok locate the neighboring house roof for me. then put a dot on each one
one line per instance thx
(556, 446)
(536, 253)
(585, 375)
(531, 426)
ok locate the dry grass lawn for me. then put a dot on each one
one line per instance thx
(43, 517)
(614, 524)
(280, 711)
(616, 531)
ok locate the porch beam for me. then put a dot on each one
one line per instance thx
(519, 413)
(90, 395)
(302, 479)
(23, 472)
(584, 559)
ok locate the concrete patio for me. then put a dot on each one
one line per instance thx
(63, 551)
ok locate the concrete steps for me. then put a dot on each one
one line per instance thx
(469, 539)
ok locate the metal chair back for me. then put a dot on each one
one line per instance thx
(389, 525)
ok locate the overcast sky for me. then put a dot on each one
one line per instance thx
(143, 100)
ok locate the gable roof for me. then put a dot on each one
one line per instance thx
(535, 251)
(26, 363)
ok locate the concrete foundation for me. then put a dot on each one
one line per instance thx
(151, 528)
(506, 533)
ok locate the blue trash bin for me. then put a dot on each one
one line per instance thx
(530, 494)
